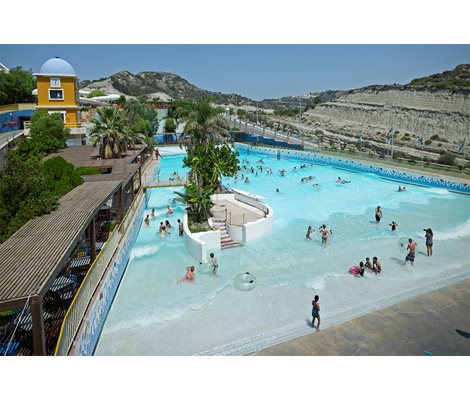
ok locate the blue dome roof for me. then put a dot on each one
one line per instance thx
(57, 66)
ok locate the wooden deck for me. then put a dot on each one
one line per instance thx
(35, 254)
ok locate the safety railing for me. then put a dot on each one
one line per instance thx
(87, 289)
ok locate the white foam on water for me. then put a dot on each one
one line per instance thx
(459, 231)
(144, 251)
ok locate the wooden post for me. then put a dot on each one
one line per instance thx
(39, 341)
(132, 188)
(92, 240)
(140, 176)
(121, 204)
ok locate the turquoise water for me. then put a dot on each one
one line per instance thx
(154, 313)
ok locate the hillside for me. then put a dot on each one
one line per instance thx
(163, 85)
(458, 78)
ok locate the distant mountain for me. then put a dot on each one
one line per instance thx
(163, 85)
(167, 86)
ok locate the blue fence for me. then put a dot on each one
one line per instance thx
(397, 175)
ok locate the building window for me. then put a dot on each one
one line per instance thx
(62, 113)
(55, 82)
(56, 94)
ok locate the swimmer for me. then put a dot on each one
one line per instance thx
(401, 189)
(215, 265)
(378, 214)
(147, 220)
(394, 225)
(368, 264)
(376, 266)
(167, 225)
(169, 211)
(277, 190)
(247, 180)
(357, 271)
(180, 228)
(316, 185)
(309, 231)
(189, 276)
(339, 180)
(161, 229)
(153, 213)
(316, 312)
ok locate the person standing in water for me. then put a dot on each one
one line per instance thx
(324, 234)
(411, 248)
(378, 214)
(215, 265)
(428, 235)
(394, 225)
(316, 312)
(180, 228)
(309, 231)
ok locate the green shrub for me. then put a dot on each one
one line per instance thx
(88, 171)
(434, 137)
(60, 176)
(447, 158)
(411, 162)
(96, 93)
(428, 142)
(170, 125)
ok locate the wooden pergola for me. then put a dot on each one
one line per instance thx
(32, 258)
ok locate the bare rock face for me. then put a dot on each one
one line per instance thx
(445, 113)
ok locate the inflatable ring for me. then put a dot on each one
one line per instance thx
(403, 244)
(244, 282)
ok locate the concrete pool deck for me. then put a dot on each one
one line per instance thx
(426, 323)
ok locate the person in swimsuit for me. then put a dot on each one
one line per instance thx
(324, 234)
(189, 274)
(428, 235)
(153, 213)
(161, 229)
(316, 312)
(378, 214)
(180, 228)
(147, 220)
(169, 211)
(411, 248)
(215, 265)
(394, 225)
(368, 264)
(167, 225)
(309, 231)
(376, 266)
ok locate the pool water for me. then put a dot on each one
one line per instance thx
(155, 314)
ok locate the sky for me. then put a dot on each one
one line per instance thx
(254, 71)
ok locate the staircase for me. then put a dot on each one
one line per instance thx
(226, 242)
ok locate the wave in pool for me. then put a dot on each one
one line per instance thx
(456, 233)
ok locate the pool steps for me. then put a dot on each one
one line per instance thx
(226, 242)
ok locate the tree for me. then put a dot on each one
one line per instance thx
(447, 158)
(16, 86)
(111, 132)
(141, 126)
(170, 125)
(47, 135)
(208, 156)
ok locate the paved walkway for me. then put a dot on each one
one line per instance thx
(427, 323)
(237, 213)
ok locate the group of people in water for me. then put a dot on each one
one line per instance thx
(374, 266)
(165, 226)
(324, 230)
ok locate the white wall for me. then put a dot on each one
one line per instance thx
(198, 244)
(256, 229)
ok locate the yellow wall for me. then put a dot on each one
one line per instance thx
(69, 87)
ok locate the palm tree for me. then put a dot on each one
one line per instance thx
(111, 131)
(202, 123)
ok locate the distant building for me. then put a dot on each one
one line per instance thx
(57, 91)
(3, 68)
